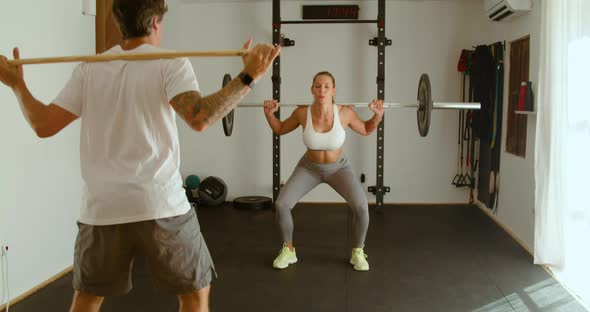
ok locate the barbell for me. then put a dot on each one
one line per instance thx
(425, 105)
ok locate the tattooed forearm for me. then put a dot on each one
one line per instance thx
(200, 112)
(219, 104)
(187, 104)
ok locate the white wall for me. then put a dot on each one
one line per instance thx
(40, 184)
(427, 37)
(517, 189)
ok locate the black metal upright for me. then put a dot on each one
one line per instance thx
(276, 95)
(382, 43)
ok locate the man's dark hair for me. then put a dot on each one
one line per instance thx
(134, 17)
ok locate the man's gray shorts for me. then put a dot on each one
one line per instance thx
(174, 249)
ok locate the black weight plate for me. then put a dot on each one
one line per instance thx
(228, 123)
(424, 105)
(252, 202)
(228, 120)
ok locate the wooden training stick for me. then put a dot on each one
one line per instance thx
(127, 57)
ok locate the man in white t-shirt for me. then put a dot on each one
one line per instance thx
(134, 202)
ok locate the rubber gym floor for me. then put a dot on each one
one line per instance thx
(422, 258)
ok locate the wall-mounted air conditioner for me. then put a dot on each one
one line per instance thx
(506, 10)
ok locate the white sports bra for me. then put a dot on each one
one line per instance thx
(328, 141)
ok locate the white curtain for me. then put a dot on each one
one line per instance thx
(562, 155)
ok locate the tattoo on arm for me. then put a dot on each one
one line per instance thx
(187, 104)
(219, 104)
(212, 107)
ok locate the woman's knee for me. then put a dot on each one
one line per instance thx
(282, 206)
(360, 208)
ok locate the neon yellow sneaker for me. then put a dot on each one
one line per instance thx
(285, 257)
(359, 260)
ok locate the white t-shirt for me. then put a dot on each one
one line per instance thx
(129, 150)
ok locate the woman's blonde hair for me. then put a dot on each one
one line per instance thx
(324, 73)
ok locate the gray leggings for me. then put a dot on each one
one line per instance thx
(340, 177)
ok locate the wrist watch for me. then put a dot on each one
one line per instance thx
(246, 79)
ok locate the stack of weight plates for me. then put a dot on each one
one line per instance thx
(252, 202)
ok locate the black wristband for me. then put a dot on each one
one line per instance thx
(246, 79)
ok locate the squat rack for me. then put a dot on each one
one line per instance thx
(380, 42)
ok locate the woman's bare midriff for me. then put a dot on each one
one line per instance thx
(323, 157)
